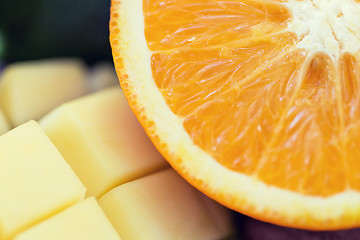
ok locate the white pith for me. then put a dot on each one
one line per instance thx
(244, 194)
(330, 26)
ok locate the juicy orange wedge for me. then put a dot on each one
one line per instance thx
(255, 103)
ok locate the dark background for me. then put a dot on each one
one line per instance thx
(36, 29)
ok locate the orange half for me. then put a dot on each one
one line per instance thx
(255, 103)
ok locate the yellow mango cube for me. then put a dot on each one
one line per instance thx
(83, 221)
(162, 206)
(221, 215)
(103, 75)
(35, 181)
(4, 124)
(101, 139)
(29, 90)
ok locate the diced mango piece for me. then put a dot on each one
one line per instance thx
(35, 181)
(83, 221)
(4, 124)
(103, 75)
(160, 206)
(102, 141)
(29, 90)
(221, 215)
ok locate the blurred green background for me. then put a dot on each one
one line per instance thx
(36, 29)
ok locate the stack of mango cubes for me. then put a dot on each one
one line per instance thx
(76, 164)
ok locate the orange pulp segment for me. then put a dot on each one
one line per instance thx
(232, 72)
(253, 90)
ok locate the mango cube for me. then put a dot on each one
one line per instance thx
(29, 90)
(102, 141)
(161, 206)
(221, 215)
(83, 221)
(35, 181)
(102, 76)
(4, 124)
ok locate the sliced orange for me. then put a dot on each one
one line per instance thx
(255, 103)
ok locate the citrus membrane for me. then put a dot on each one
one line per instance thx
(254, 102)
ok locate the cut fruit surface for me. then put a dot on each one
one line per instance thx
(95, 146)
(4, 124)
(35, 180)
(25, 85)
(101, 139)
(163, 206)
(83, 221)
(254, 102)
(102, 76)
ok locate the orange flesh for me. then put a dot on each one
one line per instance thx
(251, 99)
